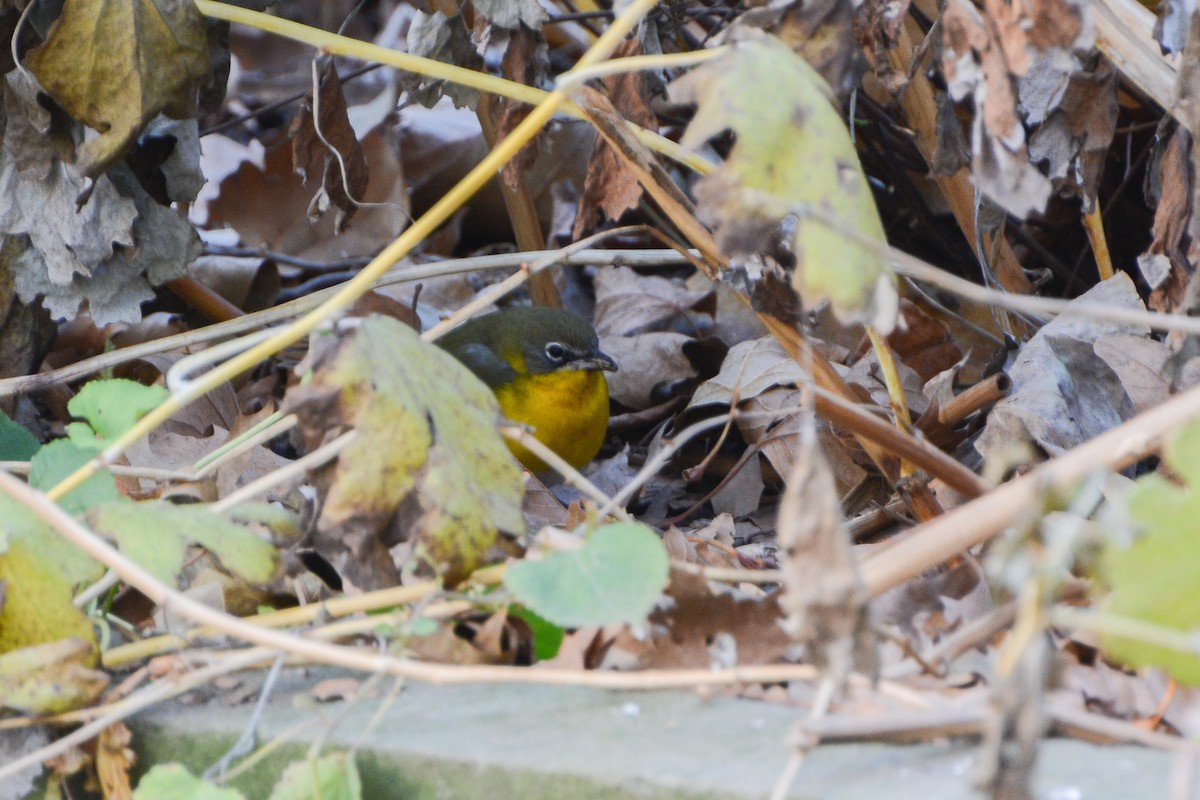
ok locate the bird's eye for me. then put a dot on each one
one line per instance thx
(556, 352)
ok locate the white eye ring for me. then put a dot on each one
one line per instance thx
(555, 352)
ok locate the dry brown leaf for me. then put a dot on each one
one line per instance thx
(923, 343)
(1063, 393)
(610, 187)
(1164, 265)
(1076, 113)
(114, 759)
(877, 25)
(267, 206)
(629, 303)
(524, 62)
(824, 599)
(704, 627)
(326, 149)
(982, 53)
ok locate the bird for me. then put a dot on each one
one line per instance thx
(546, 369)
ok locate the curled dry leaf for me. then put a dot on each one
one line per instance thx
(512, 14)
(984, 52)
(1064, 393)
(444, 39)
(1166, 265)
(326, 150)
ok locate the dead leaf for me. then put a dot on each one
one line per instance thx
(1063, 393)
(512, 14)
(114, 761)
(444, 39)
(1076, 113)
(628, 303)
(824, 599)
(877, 25)
(116, 66)
(611, 188)
(747, 629)
(326, 149)
(978, 61)
(267, 206)
(1165, 265)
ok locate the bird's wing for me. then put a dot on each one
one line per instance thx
(487, 366)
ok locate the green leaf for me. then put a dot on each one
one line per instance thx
(793, 159)
(60, 458)
(1153, 578)
(116, 64)
(617, 576)
(16, 443)
(174, 782)
(40, 569)
(156, 535)
(547, 637)
(330, 777)
(111, 407)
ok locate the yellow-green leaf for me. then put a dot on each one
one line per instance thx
(156, 535)
(39, 569)
(427, 444)
(1153, 578)
(791, 171)
(50, 678)
(617, 576)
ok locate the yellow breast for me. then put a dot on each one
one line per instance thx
(567, 410)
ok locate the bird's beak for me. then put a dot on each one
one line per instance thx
(593, 360)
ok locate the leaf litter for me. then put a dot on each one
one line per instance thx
(978, 141)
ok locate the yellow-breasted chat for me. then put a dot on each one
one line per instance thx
(547, 371)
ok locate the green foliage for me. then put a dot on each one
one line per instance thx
(16, 443)
(616, 576)
(547, 637)
(60, 458)
(1153, 578)
(331, 777)
(174, 782)
(156, 536)
(40, 569)
(111, 407)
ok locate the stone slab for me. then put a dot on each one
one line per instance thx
(532, 742)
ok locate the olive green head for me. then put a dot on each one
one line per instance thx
(498, 347)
